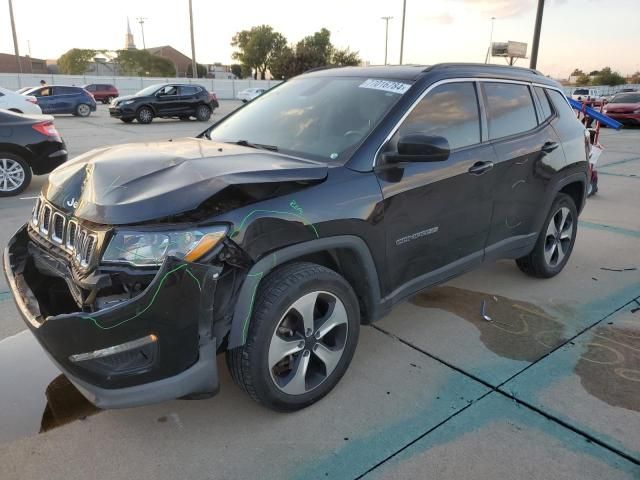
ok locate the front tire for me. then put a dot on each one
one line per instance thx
(302, 336)
(555, 242)
(144, 115)
(127, 120)
(15, 174)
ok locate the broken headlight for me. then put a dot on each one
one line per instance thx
(143, 249)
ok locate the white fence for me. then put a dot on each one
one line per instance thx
(605, 89)
(224, 89)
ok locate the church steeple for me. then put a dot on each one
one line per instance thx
(129, 44)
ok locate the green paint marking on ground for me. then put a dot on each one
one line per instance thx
(153, 299)
(609, 228)
(5, 296)
(629, 175)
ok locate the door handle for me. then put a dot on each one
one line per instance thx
(479, 168)
(549, 147)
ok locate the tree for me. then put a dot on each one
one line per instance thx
(635, 78)
(283, 63)
(76, 61)
(346, 58)
(577, 73)
(236, 69)
(202, 70)
(144, 64)
(257, 47)
(608, 77)
(583, 80)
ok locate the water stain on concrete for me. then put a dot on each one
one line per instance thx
(610, 368)
(65, 404)
(518, 330)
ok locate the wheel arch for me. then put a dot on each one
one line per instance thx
(19, 150)
(347, 255)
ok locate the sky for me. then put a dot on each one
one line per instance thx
(588, 34)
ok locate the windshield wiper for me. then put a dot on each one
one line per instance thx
(246, 143)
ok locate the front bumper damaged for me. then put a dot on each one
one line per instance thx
(154, 347)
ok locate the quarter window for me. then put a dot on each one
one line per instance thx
(509, 108)
(449, 111)
(186, 90)
(561, 104)
(544, 103)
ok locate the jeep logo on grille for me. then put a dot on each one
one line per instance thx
(72, 203)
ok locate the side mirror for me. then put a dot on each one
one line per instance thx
(416, 147)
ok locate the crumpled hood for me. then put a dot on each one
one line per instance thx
(138, 182)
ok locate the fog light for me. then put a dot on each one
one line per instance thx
(105, 352)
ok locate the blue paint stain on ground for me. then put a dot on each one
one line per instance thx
(4, 296)
(495, 423)
(609, 228)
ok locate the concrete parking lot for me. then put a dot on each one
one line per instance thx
(549, 389)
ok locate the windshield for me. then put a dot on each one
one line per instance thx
(626, 98)
(149, 90)
(317, 117)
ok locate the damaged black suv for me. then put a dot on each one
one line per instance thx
(281, 229)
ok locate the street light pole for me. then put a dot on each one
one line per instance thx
(404, 12)
(15, 37)
(536, 35)
(194, 65)
(486, 59)
(141, 22)
(386, 36)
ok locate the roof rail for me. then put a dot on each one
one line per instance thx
(488, 65)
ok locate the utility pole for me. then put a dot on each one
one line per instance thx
(404, 12)
(536, 35)
(486, 59)
(15, 37)
(386, 36)
(194, 65)
(141, 22)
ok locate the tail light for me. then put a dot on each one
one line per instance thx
(212, 97)
(31, 99)
(48, 129)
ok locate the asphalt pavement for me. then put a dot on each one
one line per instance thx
(549, 389)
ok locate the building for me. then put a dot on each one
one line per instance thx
(8, 64)
(217, 70)
(129, 44)
(179, 59)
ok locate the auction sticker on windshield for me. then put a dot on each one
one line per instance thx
(385, 85)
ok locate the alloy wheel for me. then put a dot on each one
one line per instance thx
(308, 343)
(12, 175)
(558, 236)
(83, 110)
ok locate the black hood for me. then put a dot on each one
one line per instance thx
(137, 182)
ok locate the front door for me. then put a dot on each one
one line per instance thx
(437, 214)
(46, 99)
(167, 100)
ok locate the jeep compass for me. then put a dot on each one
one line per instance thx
(277, 232)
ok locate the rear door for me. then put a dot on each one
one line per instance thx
(528, 153)
(65, 99)
(189, 98)
(437, 214)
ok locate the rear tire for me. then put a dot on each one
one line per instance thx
(144, 115)
(203, 113)
(301, 338)
(15, 174)
(184, 118)
(555, 242)
(83, 110)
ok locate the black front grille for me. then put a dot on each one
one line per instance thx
(65, 232)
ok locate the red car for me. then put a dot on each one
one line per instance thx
(625, 108)
(102, 92)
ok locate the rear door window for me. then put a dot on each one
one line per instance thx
(544, 104)
(188, 90)
(449, 111)
(65, 90)
(509, 109)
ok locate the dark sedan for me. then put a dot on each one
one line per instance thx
(170, 100)
(29, 144)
